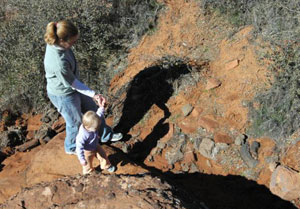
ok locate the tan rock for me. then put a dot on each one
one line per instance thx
(196, 112)
(232, 64)
(212, 83)
(285, 183)
(292, 157)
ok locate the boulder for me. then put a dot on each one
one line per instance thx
(285, 183)
(103, 191)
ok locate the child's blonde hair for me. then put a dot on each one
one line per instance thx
(64, 30)
(91, 120)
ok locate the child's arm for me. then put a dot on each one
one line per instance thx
(101, 103)
(80, 138)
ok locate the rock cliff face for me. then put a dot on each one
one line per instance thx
(101, 191)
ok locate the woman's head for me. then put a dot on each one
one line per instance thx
(63, 33)
(91, 121)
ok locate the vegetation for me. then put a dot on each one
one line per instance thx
(277, 22)
(108, 28)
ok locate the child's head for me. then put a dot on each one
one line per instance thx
(62, 31)
(91, 121)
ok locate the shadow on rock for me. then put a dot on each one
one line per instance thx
(154, 85)
(228, 192)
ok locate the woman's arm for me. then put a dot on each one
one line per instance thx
(82, 88)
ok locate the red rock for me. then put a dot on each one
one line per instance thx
(34, 123)
(189, 157)
(223, 138)
(59, 125)
(264, 176)
(169, 134)
(188, 125)
(207, 123)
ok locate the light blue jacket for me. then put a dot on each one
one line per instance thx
(61, 70)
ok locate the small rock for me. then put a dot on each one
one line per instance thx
(208, 163)
(110, 195)
(185, 167)
(196, 143)
(245, 103)
(217, 148)
(206, 147)
(246, 156)
(150, 158)
(79, 187)
(240, 139)
(47, 192)
(232, 64)
(222, 146)
(173, 156)
(46, 119)
(125, 148)
(161, 145)
(223, 138)
(194, 168)
(212, 83)
(254, 149)
(187, 109)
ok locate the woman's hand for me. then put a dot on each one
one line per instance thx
(97, 96)
(101, 101)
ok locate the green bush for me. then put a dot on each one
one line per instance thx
(107, 30)
(279, 112)
(276, 20)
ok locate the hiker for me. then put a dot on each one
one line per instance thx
(67, 93)
(87, 142)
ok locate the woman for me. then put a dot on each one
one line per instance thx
(70, 96)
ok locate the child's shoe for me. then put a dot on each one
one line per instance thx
(71, 153)
(116, 137)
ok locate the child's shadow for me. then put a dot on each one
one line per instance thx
(154, 85)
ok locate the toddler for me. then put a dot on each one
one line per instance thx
(87, 140)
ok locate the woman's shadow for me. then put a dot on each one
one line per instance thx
(153, 85)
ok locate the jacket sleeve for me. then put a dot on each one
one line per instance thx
(100, 112)
(83, 89)
(80, 139)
